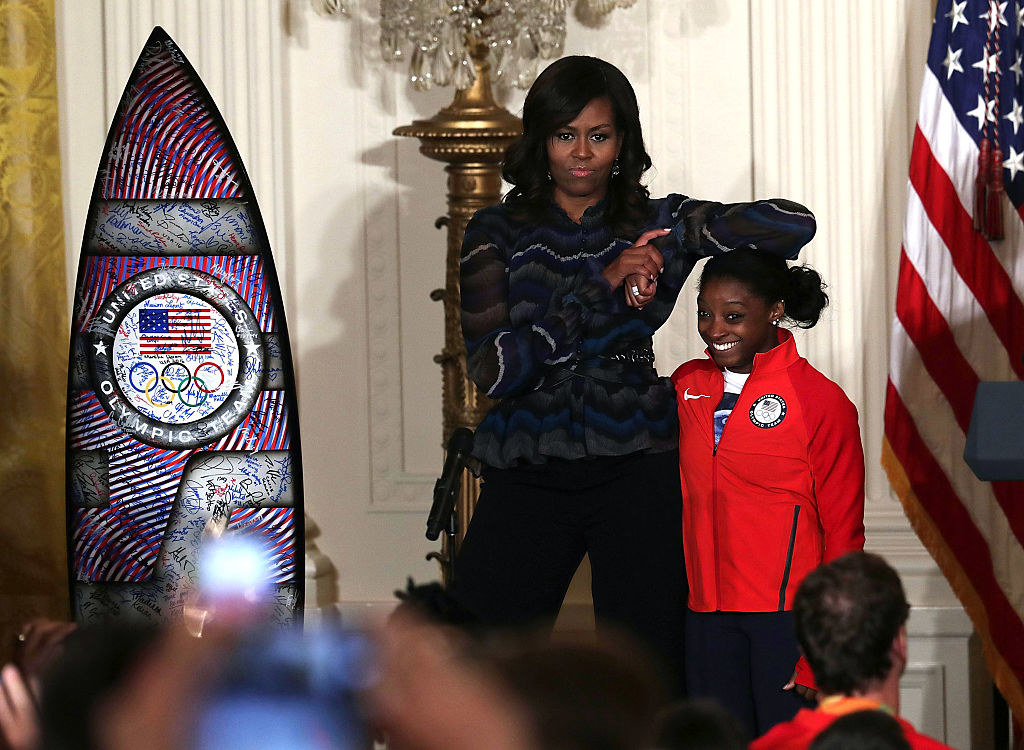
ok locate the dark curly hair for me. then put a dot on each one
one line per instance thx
(554, 100)
(847, 614)
(770, 278)
(434, 603)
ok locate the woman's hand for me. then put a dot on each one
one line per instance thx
(39, 643)
(808, 694)
(19, 721)
(641, 258)
(640, 290)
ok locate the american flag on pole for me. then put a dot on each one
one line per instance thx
(165, 330)
(960, 319)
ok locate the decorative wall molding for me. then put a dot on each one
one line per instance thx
(923, 694)
(393, 488)
(939, 692)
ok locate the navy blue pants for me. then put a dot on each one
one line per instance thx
(532, 526)
(742, 660)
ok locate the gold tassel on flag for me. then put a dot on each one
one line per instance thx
(994, 198)
(988, 185)
(980, 186)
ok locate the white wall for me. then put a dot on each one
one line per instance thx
(813, 100)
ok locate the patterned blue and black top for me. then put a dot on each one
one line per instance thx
(570, 362)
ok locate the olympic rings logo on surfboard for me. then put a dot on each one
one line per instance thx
(173, 354)
(165, 381)
(176, 357)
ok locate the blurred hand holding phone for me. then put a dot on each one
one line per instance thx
(234, 581)
(285, 690)
(277, 688)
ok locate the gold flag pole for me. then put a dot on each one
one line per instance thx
(470, 135)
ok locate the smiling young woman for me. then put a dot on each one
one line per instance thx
(579, 450)
(736, 323)
(773, 483)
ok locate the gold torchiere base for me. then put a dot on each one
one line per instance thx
(470, 135)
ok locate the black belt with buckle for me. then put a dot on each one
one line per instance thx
(633, 366)
(639, 354)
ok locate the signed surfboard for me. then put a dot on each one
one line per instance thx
(182, 423)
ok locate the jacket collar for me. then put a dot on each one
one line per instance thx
(773, 360)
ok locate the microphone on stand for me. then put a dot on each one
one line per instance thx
(446, 488)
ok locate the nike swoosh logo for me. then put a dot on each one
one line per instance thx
(687, 396)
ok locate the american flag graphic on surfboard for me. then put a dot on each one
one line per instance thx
(182, 424)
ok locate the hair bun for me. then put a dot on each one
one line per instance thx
(806, 298)
(769, 277)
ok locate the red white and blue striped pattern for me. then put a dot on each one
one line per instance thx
(121, 542)
(264, 429)
(273, 529)
(243, 273)
(166, 143)
(960, 320)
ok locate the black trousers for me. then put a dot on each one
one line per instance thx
(532, 526)
(742, 660)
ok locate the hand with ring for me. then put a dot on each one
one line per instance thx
(39, 643)
(640, 259)
(640, 290)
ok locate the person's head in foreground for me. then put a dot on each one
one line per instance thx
(850, 617)
(862, 730)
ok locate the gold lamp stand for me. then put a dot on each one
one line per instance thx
(470, 135)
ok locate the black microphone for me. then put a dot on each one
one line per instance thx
(446, 488)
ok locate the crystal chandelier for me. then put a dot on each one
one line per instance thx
(441, 37)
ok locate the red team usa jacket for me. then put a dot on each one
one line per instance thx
(783, 491)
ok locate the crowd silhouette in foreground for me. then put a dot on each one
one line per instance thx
(432, 678)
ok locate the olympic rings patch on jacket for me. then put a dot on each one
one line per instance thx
(768, 410)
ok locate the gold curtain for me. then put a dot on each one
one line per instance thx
(33, 323)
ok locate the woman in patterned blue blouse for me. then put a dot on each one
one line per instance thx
(561, 293)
